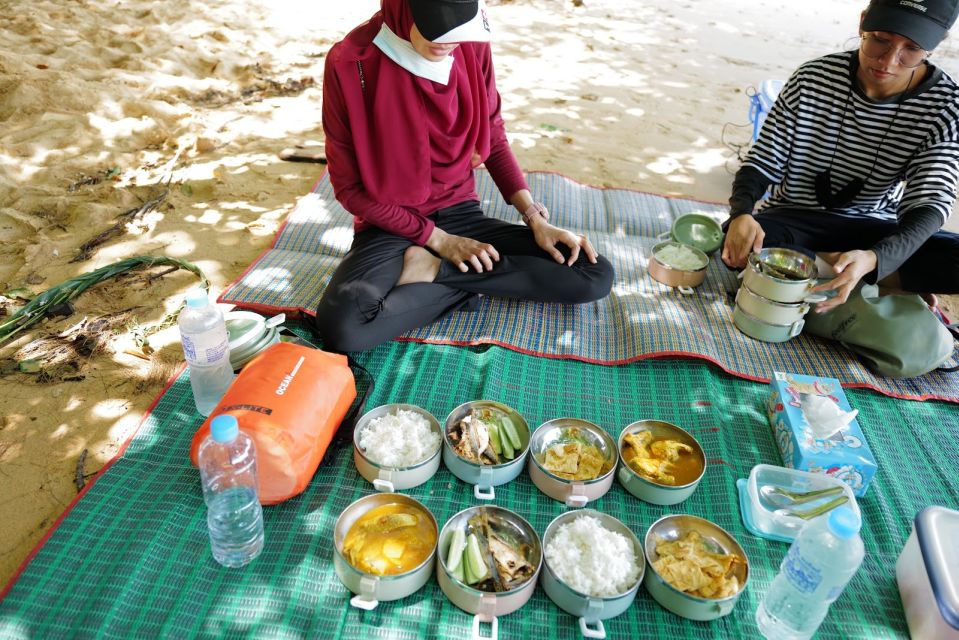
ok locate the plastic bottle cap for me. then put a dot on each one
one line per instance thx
(844, 523)
(197, 298)
(225, 428)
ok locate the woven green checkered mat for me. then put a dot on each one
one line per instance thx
(132, 558)
(641, 318)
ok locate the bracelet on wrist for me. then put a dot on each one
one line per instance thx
(537, 208)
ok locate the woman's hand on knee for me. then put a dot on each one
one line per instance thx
(462, 251)
(744, 236)
(548, 237)
(851, 266)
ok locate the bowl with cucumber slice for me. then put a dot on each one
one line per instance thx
(485, 444)
(490, 558)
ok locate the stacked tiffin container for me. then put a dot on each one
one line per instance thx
(775, 294)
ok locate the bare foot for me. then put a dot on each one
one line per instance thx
(419, 265)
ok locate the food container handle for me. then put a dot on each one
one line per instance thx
(686, 291)
(796, 328)
(383, 485)
(664, 235)
(483, 493)
(597, 631)
(276, 320)
(366, 599)
(576, 497)
(494, 632)
(814, 298)
(483, 490)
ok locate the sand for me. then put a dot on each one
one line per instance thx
(106, 106)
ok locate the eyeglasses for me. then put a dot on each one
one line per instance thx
(876, 47)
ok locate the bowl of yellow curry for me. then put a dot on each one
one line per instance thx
(384, 548)
(572, 460)
(659, 462)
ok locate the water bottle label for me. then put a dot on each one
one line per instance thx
(802, 574)
(209, 347)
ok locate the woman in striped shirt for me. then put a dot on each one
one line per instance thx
(861, 151)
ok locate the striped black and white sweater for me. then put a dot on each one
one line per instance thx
(906, 149)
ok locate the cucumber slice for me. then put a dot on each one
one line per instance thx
(460, 571)
(509, 430)
(508, 451)
(495, 438)
(457, 545)
(475, 562)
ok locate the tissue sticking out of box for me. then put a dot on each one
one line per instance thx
(824, 416)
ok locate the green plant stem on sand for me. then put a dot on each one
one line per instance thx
(37, 308)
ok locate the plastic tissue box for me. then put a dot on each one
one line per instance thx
(843, 454)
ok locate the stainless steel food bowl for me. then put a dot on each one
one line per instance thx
(683, 279)
(644, 488)
(671, 528)
(484, 477)
(487, 607)
(591, 610)
(765, 274)
(574, 493)
(389, 479)
(371, 589)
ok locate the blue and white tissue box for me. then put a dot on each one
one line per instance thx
(843, 455)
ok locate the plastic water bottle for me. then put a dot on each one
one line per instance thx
(821, 561)
(227, 461)
(206, 346)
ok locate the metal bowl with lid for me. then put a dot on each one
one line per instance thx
(488, 606)
(782, 275)
(250, 333)
(646, 489)
(371, 589)
(675, 527)
(683, 277)
(387, 478)
(590, 609)
(484, 477)
(562, 431)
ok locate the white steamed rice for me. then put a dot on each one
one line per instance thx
(592, 559)
(400, 439)
(679, 256)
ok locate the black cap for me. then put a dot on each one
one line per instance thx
(446, 21)
(925, 22)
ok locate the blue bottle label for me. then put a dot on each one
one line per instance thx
(801, 573)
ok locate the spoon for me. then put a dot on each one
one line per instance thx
(815, 511)
(783, 497)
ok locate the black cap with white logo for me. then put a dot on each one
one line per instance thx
(925, 22)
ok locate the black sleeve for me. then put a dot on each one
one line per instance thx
(749, 186)
(915, 227)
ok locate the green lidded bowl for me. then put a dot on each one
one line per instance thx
(698, 230)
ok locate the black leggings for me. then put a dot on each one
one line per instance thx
(933, 268)
(362, 306)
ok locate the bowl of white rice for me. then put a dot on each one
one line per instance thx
(594, 566)
(678, 265)
(397, 446)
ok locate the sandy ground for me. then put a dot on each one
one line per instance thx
(106, 106)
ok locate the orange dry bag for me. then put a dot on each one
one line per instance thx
(290, 399)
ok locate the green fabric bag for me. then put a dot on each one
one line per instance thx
(895, 335)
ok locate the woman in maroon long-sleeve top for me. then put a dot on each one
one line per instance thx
(410, 108)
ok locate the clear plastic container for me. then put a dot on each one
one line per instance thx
(206, 347)
(771, 516)
(928, 575)
(227, 461)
